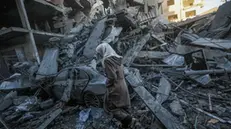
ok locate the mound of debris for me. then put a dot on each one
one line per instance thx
(178, 75)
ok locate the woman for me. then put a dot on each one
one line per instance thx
(117, 98)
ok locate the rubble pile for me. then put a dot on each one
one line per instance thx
(75, 39)
(178, 76)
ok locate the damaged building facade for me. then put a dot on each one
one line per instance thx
(178, 74)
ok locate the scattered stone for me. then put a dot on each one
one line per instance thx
(176, 108)
(7, 100)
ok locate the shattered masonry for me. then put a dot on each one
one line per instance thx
(178, 73)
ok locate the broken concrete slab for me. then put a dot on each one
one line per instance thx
(221, 19)
(77, 29)
(8, 100)
(133, 52)
(80, 17)
(53, 115)
(201, 79)
(209, 53)
(3, 123)
(163, 90)
(176, 108)
(96, 9)
(174, 60)
(94, 39)
(153, 54)
(27, 105)
(135, 78)
(46, 104)
(203, 72)
(206, 113)
(19, 100)
(49, 63)
(115, 32)
(67, 91)
(190, 21)
(9, 85)
(169, 121)
(213, 43)
(223, 63)
(70, 51)
(159, 40)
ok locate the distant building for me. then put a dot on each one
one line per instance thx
(178, 10)
(212, 10)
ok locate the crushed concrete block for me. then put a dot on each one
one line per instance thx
(19, 100)
(70, 51)
(176, 108)
(77, 29)
(46, 104)
(49, 63)
(8, 100)
(94, 39)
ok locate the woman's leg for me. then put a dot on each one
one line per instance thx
(118, 113)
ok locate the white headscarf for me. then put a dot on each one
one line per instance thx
(105, 50)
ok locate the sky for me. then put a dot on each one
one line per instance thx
(211, 4)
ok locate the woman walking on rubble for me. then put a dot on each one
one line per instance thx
(117, 98)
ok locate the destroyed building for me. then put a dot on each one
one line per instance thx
(178, 73)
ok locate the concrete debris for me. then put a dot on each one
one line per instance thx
(7, 100)
(49, 120)
(49, 63)
(176, 108)
(94, 39)
(133, 52)
(115, 32)
(206, 113)
(3, 123)
(76, 30)
(202, 79)
(213, 43)
(153, 54)
(97, 10)
(163, 90)
(169, 121)
(174, 60)
(27, 105)
(178, 74)
(212, 71)
(46, 104)
(221, 19)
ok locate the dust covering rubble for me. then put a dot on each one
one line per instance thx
(177, 73)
